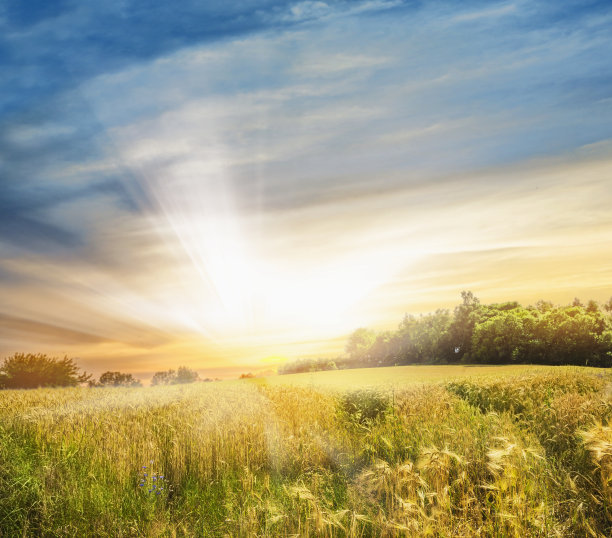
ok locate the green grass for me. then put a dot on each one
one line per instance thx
(406, 451)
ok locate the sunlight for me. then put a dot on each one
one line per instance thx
(274, 360)
(242, 285)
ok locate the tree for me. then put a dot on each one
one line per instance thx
(592, 307)
(164, 377)
(496, 333)
(382, 349)
(359, 344)
(117, 379)
(28, 371)
(501, 338)
(186, 375)
(424, 339)
(576, 336)
(465, 317)
(544, 306)
(173, 377)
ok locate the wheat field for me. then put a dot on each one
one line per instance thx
(410, 451)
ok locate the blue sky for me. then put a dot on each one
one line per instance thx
(250, 179)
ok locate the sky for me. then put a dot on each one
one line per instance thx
(227, 185)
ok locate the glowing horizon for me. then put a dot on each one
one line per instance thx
(230, 199)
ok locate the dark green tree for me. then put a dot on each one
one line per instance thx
(502, 338)
(573, 335)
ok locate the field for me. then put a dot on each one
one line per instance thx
(399, 377)
(405, 451)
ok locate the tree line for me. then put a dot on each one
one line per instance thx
(475, 333)
(34, 370)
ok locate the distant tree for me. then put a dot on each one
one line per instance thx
(424, 339)
(28, 370)
(246, 376)
(465, 317)
(592, 306)
(117, 379)
(572, 335)
(173, 377)
(495, 333)
(501, 338)
(165, 377)
(308, 364)
(383, 348)
(544, 306)
(359, 345)
(186, 375)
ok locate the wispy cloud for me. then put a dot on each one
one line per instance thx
(497, 11)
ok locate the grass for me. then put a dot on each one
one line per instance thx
(406, 451)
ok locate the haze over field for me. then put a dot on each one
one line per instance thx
(227, 184)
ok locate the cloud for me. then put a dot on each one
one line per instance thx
(69, 42)
(14, 328)
(495, 12)
(291, 170)
(304, 11)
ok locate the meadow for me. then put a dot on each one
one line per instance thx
(401, 451)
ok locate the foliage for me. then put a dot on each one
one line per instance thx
(174, 377)
(28, 370)
(116, 379)
(474, 333)
(303, 365)
(503, 333)
(360, 343)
